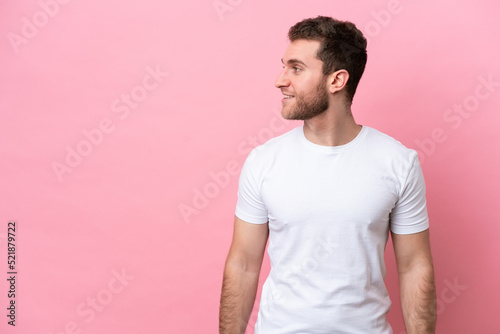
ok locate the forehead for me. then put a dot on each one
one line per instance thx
(303, 50)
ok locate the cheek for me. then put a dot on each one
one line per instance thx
(305, 93)
(305, 86)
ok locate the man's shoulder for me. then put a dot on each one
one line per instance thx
(276, 144)
(388, 151)
(385, 143)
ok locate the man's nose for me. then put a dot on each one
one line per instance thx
(282, 80)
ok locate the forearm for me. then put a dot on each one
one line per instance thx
(418, 299)
(239, 288)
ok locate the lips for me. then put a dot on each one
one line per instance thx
(287, 97)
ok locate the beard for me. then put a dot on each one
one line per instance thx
(309, 105)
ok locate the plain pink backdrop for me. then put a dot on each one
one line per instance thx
(132, 237)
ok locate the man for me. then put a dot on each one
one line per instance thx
(327, 194)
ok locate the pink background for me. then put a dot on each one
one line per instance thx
(151, 200)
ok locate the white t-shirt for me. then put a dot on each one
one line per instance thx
(330, 209)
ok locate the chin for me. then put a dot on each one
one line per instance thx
(288, 116)
(287, 113)
(284, 113)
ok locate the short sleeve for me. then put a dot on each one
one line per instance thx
(250, 206)
(410, 212)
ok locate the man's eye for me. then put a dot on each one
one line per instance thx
(296, 69)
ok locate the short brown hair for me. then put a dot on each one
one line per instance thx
(342, 46)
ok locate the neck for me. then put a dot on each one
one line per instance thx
(334, 127)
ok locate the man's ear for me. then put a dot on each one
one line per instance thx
(337, 81)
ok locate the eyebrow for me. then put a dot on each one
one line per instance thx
(294, 61)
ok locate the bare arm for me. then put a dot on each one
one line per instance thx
(241, 275)
(416, 281)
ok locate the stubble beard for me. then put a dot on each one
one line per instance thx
(307, 107)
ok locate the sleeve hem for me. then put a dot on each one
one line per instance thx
(251, 219)
(411, 230)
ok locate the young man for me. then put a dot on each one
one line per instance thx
(327, 194)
